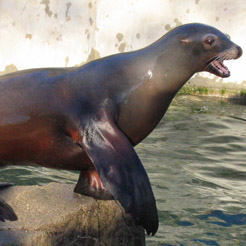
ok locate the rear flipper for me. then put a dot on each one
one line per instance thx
(6, 212)
(90, 184)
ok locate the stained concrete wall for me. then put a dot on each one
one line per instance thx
(59, 33)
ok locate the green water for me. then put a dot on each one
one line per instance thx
(196, 161)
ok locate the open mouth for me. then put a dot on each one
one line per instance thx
(218, 68)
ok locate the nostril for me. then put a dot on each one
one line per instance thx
(239, 50)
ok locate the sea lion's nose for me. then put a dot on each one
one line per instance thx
(239, 50)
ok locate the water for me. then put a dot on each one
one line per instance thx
(196, 162)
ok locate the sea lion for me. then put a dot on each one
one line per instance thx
(89, 118)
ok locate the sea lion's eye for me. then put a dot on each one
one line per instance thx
(210, 41)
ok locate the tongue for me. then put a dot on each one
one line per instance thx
(219, 66)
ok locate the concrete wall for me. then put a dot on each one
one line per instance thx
(59, 33)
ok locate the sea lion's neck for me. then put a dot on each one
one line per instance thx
(167, 66)
(156, 74)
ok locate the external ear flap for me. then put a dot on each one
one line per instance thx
(228, 36)
(186, 40)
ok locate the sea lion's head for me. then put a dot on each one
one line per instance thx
(208, 48)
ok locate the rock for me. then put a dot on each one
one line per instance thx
(54, 215)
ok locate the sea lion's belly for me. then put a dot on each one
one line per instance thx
(40, 140)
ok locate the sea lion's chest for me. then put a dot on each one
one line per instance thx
(140, 114)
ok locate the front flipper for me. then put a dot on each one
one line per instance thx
(6, 212)
(120, 169)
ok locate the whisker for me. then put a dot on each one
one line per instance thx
(209, 64)
(220, 58)
(211, 59)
